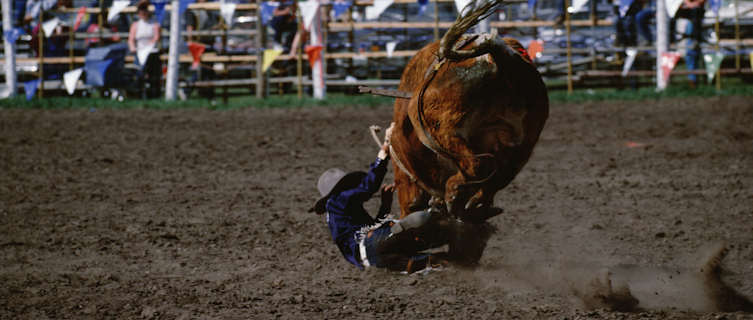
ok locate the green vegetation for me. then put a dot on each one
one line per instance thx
(731, 87)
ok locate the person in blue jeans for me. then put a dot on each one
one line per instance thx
(693, 11)
(364, 241)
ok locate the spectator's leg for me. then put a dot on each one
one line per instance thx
(691, 54)
(643, 19)
(154, 72)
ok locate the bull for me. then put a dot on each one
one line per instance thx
(472, 111)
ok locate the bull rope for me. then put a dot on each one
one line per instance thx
(374, 129)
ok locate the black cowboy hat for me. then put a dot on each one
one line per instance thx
(333, 181)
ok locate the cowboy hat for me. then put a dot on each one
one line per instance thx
(333, 181)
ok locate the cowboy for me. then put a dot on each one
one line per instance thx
(363, 240)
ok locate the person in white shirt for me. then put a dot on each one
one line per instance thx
(144, 35)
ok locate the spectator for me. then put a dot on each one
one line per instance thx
(284, 23)
(627, 25)
(144, 33)
(693, 11)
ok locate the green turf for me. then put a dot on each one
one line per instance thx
(731, 87)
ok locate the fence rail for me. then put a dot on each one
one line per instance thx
(593, 55)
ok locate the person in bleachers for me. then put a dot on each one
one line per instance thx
(643, 21)
(285, 24)
(693, 11)
(200, 20)
(145, 33)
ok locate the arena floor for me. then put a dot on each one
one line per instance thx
(183, 214)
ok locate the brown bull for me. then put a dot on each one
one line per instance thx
(477, 106)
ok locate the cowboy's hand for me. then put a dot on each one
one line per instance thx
(388, 133)
(387, 191)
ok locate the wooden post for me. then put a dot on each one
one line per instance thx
(171, 88)
(716, 46)
(299, 54)
(569, 49)
(351, 39)
(70, 46)
(592, 15)
(40, 37)
(299, 71)
(11, 79)
(261, 76)
(662, 41)
(101, 21)
(223, 24)
(436, 20)
(737, 36)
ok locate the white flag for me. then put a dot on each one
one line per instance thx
(391, 48)
(308, 12)
(631, 53)
(672, 6)
(374, 11)
(576, 6)
(143, 54)
(70, 79)
(117, 7)
(49, 26)
(227, 10)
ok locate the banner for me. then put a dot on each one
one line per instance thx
(313, 53)
(535, 48)
(49, 26)
(227, 10)
(751, 60)
(625, 6)
(70, 79)
(196, 49)
(268, 11)
(668, 62)
(308, 12)
(576, 6)
(269, 56)
(79, 18)
(159, 11)
(30, 87)
(95, 72)
(390, 46)
(631, 53)
(341, 6)
(117, 7)
(375, 10)
(143, 53)
(13, 34)
(672, 6)
(712, 61)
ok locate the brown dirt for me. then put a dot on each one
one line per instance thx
(202, 214)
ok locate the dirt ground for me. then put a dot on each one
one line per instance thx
(184, 214)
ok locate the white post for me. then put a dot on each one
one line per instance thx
(662, 41)
(171, 88)
(10, 51)
(317, 70)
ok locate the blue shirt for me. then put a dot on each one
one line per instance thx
(346, 215)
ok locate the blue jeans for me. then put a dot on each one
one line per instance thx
(643, 20)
